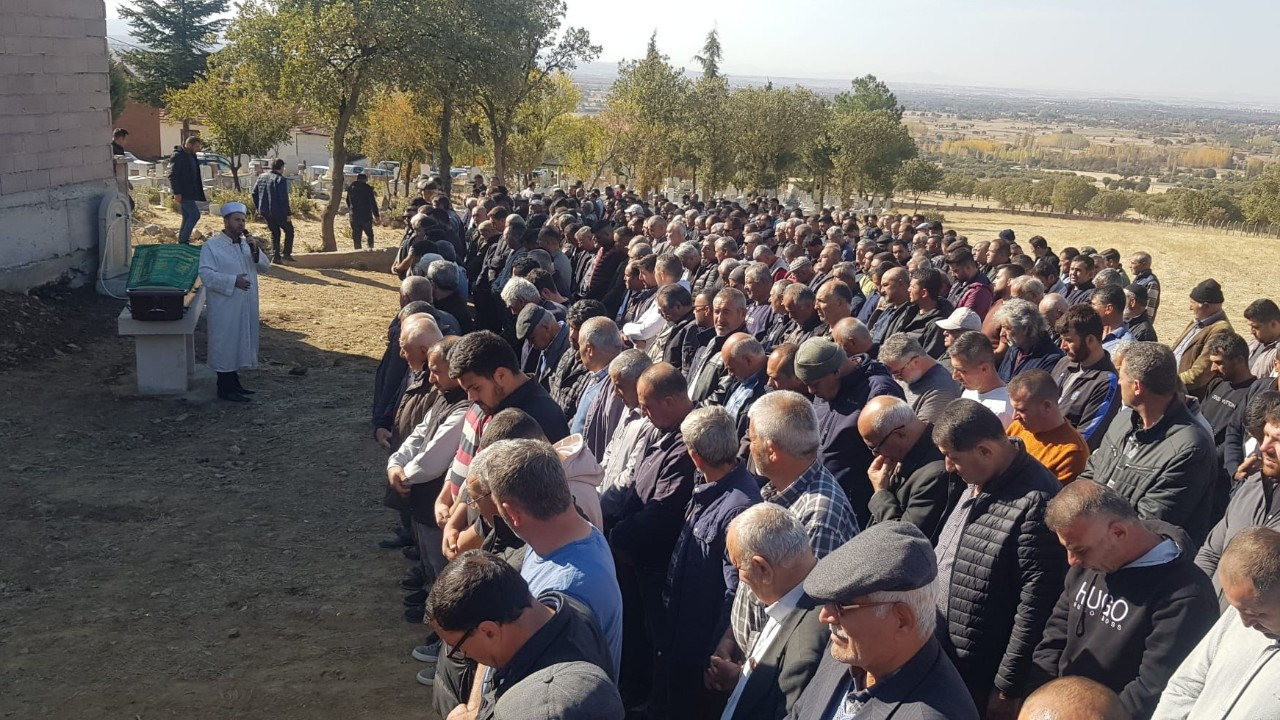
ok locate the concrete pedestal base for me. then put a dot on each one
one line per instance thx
(164, 351)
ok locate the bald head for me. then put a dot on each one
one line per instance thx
(417, 334)
(852, 336)
(743, 356)
(1073, 698)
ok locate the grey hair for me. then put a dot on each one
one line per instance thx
(758, 272)
(787, 420)
(420, 330)
(1027, 287)
(526, 473)
(851, 328)
(1086, 498)
(517, 290)
(679, 226)
(628, 366)
(900, 346)
(639, 250)
(602, 334)
(685, 251)
(417, 287)
(727, 243)
(780, 287)
(923, 602)
(770, 531)
(712, 434)
(1022, 316)
(726, 266)
(1153, 365)
(895, 414)
(761, 251)
(669, 265)
(1108, 276)
(1253, 555)
(749, 347)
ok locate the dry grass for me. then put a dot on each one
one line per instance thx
(1182, 257)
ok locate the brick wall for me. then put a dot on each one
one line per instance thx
(55, 109)
(143, 124)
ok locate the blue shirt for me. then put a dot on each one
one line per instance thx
(1115, 337)
(583, 570)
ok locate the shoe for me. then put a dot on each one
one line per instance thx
(232, 397)
(397, 541)
(289, 258)
(415, 598)
(427, 675)
(414, 614)
(276, 259)
(412, 584)
(411, 552)
(242, 391)
(427, 653)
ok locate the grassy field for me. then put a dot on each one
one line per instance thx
(1182, 257)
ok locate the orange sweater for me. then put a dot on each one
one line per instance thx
(1062, 450)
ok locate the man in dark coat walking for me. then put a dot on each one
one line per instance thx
(362, 205)
(271, 200)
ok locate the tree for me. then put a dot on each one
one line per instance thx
(869, 94)
(520, 53)
(647, 103)
(325, 56)
(707, 133)
(527, 146)
(772, 127)
(1108, 204)
(399, 126)
(872, 145)
(1072, 193)
(586, 145)
(710, 56)
(918, 176)
(241, 121)
(118, 84)
(175, 38)
(1261, 202)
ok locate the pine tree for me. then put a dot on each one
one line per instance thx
(710, 56)
(175, 38)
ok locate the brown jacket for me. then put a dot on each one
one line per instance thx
(1193, 368)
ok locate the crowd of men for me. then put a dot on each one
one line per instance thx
(712, 459)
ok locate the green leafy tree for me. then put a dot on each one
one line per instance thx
(241, 121)
(918, 176)
(325, 56)
(586, 145)
(1109, 204)
(535, 122)
(1072, 193)
(647, 103)
(869, 94)
(872, 144)
(521, 49)
(399, 125)
(1261, 202)
(118, 85)
(772, 127)
(710, 56)
(174, 40)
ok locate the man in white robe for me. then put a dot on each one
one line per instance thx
(229, 266)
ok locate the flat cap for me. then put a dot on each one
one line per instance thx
(893, 556)
(565, 691)
(530, 317)
(818, 358)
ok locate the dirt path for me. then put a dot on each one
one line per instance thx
(167, 559)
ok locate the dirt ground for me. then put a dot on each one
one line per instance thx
(165, 559)
(170, 559)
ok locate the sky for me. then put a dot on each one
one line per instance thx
(1144, 48)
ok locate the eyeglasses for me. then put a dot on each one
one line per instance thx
(875, 449)
(850, 608)
(471, 501)
(455, 653)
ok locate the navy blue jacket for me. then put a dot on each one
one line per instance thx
(1044, 356)
(651, 520)
(271, 196)
(840, 447)
(701, 581)
(184, 175)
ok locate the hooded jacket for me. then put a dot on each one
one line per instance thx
(1129, 629)
(584, 475)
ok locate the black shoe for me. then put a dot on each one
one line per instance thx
(276, 259)
(232, 396)
(411, 552)
(288, 258)
(414, 614)
(396, 541)
(415, 598)
(412, 584)
(242, 391)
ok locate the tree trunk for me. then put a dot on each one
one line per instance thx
(446, 157)
(500, 137)
(235, 175)
(336, 177)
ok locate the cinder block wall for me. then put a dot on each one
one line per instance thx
(55, 132)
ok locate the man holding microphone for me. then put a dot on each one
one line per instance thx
(229, 266)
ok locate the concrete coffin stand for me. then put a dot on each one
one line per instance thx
(164, 351)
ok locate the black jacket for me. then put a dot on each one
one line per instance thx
(708, 378)
(921, 491)
(362, 202)
(1006, 579)
(1044, 356)
(1167, 471)
(1092, 400)
(184, 175)
(652, 517)
(923, 326)
(1129, 629)
(1235, 436)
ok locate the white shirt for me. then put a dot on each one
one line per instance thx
(777, 613)
(423, 458)
(646, 327)
(997, 401)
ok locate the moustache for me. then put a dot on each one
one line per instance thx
(838, 631)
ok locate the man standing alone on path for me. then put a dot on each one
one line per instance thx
(271, 199)
(229, 266)
(186, 186)
(362, 203)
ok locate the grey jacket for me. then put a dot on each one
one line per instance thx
(1166, 471)
(787, 666)
(1254, 504)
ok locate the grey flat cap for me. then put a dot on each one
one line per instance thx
(530, 317)
(564, 691)
(818, 358)
(891, 555)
